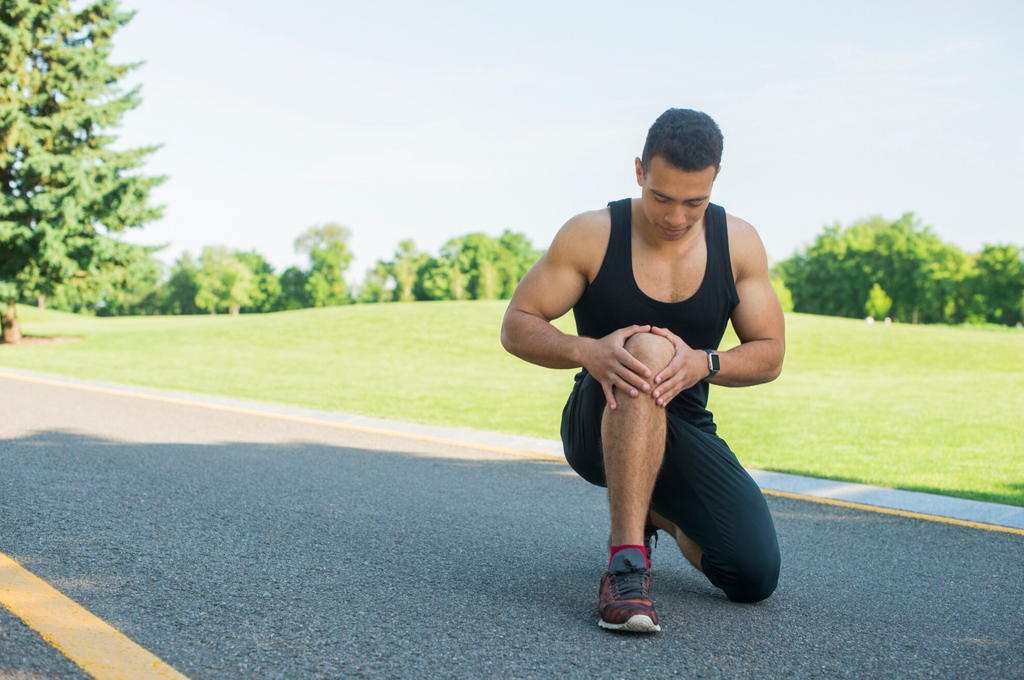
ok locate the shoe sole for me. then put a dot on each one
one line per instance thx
(638, 623)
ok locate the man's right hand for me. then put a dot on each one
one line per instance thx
(612, 366)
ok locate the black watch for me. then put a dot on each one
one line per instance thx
(714, 365)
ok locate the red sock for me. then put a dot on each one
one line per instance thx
(617, 548)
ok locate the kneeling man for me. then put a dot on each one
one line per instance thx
(653, 283)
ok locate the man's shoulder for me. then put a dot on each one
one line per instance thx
(589, 224)
(740, 230)
(583, 240)
(745, 247)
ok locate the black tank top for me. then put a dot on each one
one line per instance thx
(614, 300)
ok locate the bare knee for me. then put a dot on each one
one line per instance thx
(654, 351)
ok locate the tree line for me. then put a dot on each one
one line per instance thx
(903, 270)
(874, 267)
(131, 280)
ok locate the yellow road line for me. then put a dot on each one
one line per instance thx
(893, 511)
(98, 648)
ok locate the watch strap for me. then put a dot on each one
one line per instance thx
(714, 365)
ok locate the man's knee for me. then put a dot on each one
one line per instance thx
(755, 577)
(652, 350)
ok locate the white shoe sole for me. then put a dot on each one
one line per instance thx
(639, 623)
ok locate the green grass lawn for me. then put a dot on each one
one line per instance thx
(925, 408)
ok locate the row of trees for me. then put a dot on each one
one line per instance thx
(475, 266)
(875, 267)
(471, 267)
(901, 269)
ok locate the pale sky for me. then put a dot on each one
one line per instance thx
(432, 120)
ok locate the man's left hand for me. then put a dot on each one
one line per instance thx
(687, 368)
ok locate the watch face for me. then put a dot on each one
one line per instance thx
(715, 365)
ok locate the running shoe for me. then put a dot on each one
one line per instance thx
(625, 603)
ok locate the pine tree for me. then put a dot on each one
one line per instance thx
(63, 186)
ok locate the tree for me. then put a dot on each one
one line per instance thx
(131, 283)
(293, 291)
(447, 277)
(947, 295)
(472, 266)
(62, 184)
(1000, 282)
(785, 297)
(405, 268)
(123, 279)
(924, 277)
(266, 285)
(819, 278)
(878, 303)
(515, 258)
(375, 288)
(225, 284)
(435, 279)
(478, 257)
(182, 287)
(327, 247)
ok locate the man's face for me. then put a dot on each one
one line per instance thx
(674, 200)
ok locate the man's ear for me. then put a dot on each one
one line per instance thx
(639, 171)
(718, 169)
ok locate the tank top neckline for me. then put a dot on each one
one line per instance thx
(632, 277)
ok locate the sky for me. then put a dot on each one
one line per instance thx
(432, 120)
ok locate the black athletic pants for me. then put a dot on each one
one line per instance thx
(701, 488)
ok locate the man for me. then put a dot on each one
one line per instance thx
(653, 282)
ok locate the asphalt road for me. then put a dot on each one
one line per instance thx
(234, 546)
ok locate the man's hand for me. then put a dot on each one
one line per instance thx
(612, 366)
(687, 368)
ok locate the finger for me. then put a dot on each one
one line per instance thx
(624, 386)
(633, 364)
(665, 333)
(633, 379)
(672, 369)
(664, 393)
(608, 395)
(633, 330)
(667, 399)
(680, 385)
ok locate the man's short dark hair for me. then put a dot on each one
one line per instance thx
(687, 139)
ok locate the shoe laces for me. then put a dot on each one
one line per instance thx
(631, 585)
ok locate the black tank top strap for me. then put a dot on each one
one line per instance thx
(618, 240)
(718, 257)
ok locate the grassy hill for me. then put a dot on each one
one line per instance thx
(925, 408)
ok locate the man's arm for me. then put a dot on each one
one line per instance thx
(549, 290)
(757, 319)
